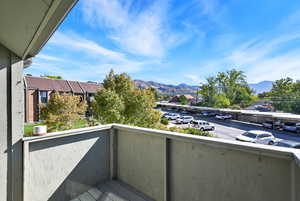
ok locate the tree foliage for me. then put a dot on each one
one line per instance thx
(285, 95)
(226, 89)
(56, 77)
(62, 111)
(183, 100)
(120, 102)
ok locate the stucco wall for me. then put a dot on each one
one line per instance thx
(180, 167)
(4, 64)
(140, 162)
(62, 168)
(203, 172)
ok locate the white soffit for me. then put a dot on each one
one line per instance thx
(26, 25)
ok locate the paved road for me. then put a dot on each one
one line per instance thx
(229, 129)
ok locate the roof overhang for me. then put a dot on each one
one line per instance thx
(27, 25)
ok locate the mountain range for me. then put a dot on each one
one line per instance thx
(262, 86)
(167, 89)
(171, 90)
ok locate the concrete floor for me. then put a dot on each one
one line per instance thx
(112, 191)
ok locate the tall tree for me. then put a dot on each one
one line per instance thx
(120, 102)
(285, 95)
(228, 87)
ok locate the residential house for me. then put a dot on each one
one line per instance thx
(190, 99)
(38, 91)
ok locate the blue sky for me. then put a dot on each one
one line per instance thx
(175, 41)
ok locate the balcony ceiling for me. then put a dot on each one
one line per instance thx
(25, 26)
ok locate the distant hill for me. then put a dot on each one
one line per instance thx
(261, 86)
(167, 89)
(183, 88)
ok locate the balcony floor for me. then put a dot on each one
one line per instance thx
(112, 191)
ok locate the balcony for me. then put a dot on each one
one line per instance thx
(118, 162)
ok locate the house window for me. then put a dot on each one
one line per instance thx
(44, 97)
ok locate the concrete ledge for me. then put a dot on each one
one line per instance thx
(279, 152)
(67, 133)
(267, 150)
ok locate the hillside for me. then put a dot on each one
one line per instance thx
(167, 89)
(262, 86)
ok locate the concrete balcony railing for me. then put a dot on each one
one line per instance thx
(161, 165)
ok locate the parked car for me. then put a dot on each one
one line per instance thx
(203, 125)
(290, 126)
(171, 116)
(208, 114)
(257, 136)
(268, 124)
(223, 116)
(185, 119)
(288, 143)
(263, 108)
(271, 124)
(184, 112)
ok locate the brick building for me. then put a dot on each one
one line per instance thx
(38, 90)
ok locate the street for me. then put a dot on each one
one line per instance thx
(229, 129)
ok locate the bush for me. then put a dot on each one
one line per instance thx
(62, 111)
(198, 132)
(164, 121)
(192, 131)
(235, 107)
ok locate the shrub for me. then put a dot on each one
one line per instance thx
(235, 107)
(198, 132)
(192, 131)
(62, 111)
(164, 121)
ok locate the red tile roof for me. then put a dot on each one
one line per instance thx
(47, 84)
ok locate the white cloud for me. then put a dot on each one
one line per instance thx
(143, 31)
(75, 42)
(273, 68)
(192, 79)
(49, 58)
(97, 62)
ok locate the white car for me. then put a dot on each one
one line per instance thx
(223, 116)
(257, 136)
(184, 120)
(172, 116)
(203, 125)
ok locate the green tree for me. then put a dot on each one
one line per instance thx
(56, 77)
(285, 95)
(62, 111)
(282, 94)
(209, 92)
(120, 102)
(226, 89)
(183, 100)
(264, 95)
(222, 101)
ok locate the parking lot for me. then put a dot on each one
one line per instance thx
(229, 129)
